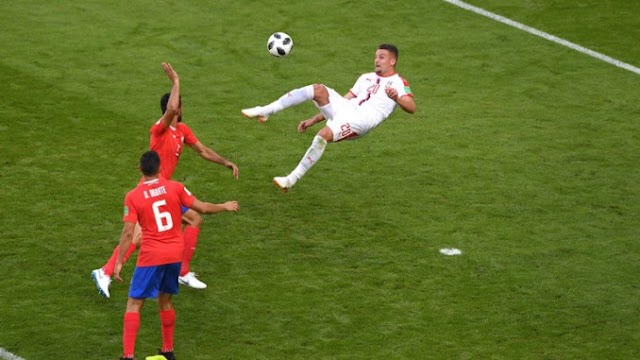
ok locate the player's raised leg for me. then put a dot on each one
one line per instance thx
(292, 98)
(102, 276)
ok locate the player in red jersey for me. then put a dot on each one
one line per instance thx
(168, 137)
(155, 206)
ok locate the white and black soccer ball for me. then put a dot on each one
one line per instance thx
(280, 44)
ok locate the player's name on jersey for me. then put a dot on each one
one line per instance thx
(155, 192)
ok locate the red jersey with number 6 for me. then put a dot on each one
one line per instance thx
(168, 143)
(155, 205)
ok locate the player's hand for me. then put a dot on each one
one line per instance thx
(116, 271)
(392, 93)
(173, 75)
(234, 168)
(302, 127)
(231, 206)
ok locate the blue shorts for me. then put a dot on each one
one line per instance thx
(184, 209)
(147, 281)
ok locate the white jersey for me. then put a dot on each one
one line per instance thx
(371, 98)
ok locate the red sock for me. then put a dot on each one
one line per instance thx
(111, 264)
(129, 333)
(168, 320)
(190, 241)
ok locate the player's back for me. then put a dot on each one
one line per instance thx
(157, 204)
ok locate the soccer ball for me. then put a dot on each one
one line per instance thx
(279, 44)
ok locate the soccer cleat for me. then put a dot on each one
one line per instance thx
(283, 183)
(102, 281)
(257, 113)
(167, 355)
(190, 280)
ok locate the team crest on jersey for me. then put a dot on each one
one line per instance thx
(126, 210)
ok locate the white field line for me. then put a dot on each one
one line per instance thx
(544, 35)
(4, 354)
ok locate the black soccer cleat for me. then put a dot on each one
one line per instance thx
(168, 355)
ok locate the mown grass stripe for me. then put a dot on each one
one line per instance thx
(544, 35)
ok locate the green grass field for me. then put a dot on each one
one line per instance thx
(523, 153)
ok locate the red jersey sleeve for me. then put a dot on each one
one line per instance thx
(130, 212)
(186, 198)
(189, 137)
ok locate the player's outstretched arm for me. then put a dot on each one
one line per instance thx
(210, 208)
(305, 124)
(210, 155)
(173, 104)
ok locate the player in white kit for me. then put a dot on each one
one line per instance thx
(370, 101)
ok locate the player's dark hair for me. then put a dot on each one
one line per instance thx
(150, 163)
(164, 100)
(390, 48)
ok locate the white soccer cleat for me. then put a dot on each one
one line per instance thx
(102, 281)
(190, 280)
(283, 183)
(257, 113)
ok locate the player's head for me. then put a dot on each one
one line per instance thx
(164, 100)
(150, 163)
(386, 59)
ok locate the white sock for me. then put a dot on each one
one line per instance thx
(313, 154)
(292, 98)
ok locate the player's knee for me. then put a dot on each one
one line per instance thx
(326, 134)
(164, 302)
(197, 221)
(320, 93)
(193, 219)
(134, 305)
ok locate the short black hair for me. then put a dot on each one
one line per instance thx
(390, 48)
(150, 163)
(164, 100)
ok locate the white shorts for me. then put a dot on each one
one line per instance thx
(347, 121)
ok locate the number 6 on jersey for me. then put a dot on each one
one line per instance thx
(163, 218)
